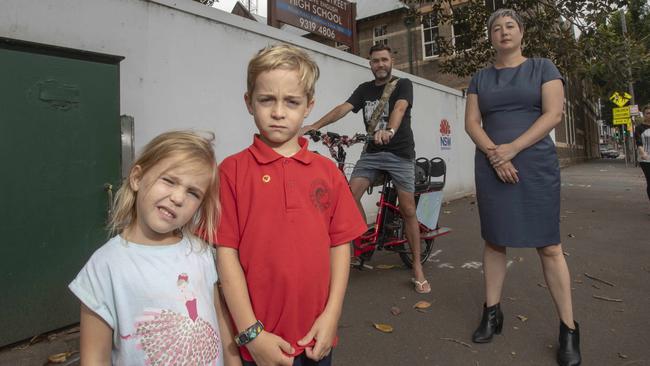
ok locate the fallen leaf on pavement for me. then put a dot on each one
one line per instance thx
(522, 318)
(566, 254)
(621, 355)
(386, 266)
(59, 357)
(422, 305)
(395, 310)
(384, 328)
(572, 235)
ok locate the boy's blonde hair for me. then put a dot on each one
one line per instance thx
(283, 56)
(191, 150)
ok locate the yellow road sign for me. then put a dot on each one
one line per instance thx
(622, 112)
(620, 99)
(621, 121)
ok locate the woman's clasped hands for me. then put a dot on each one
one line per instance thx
(500, 157)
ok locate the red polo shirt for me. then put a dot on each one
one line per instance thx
(283, 215)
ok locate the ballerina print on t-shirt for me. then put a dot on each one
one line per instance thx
(170, 338)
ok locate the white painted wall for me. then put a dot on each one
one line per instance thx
(185, 67)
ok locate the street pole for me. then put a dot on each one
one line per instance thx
(630, 86)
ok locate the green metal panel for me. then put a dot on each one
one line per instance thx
(59, 145)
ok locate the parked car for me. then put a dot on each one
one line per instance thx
(607, 152)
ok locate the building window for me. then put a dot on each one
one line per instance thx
(380, 35)
(430, 35)
(494, 5)
(461, 34)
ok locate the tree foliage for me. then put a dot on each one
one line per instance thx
(582, 37)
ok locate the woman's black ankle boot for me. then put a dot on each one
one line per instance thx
(491, 323)
(569, 352)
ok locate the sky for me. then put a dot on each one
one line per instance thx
(227, 5)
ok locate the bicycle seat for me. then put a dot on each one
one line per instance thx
(380, 179)
(425, 170)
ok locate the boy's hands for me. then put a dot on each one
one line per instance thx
(268, 349)
(324, 332)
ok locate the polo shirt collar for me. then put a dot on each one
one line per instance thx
(265, 155)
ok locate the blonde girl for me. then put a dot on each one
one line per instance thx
(135, 308)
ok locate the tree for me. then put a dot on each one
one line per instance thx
(582, 37)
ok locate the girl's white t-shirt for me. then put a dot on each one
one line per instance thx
(157, 299)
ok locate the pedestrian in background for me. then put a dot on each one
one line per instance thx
(519, 101)
(642, 141)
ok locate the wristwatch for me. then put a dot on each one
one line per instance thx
(391, 130)
(249, 333)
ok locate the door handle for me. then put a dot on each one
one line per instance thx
(108, 188)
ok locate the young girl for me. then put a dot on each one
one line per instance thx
(148, 295)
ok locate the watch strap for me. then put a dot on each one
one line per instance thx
(249, 333)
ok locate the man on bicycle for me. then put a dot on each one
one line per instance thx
(386, 104)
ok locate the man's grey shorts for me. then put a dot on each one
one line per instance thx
(401, 170)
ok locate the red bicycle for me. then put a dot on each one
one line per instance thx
(388, 232)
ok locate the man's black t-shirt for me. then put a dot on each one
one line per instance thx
(366, 97)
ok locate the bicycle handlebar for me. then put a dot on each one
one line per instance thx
(332, 139)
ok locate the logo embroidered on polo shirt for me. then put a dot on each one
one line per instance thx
(266, 178)
(320, 195)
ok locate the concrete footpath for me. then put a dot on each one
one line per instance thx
(606, 235)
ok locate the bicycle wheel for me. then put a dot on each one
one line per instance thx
(426, 247)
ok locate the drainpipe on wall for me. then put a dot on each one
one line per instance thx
(409, 20)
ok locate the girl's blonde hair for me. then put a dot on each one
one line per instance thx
(283, 56)
(190, 149)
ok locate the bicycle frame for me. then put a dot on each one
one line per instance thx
(379, 238)
(376, 241)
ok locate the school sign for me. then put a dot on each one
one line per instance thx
(332, 19)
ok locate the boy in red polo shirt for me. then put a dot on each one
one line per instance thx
(288, 217)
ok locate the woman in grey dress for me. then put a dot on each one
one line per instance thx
(519, 101)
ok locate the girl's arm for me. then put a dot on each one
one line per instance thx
(267, 347)
(552, 106)
(230, 350)
(324, 328)
(96, 339)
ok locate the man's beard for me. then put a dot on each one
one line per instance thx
(385, 78)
